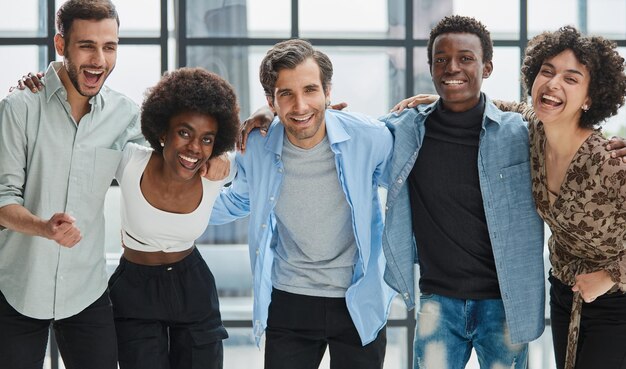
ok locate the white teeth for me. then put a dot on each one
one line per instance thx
(301, 119)
(452, 82)
(551, 98)
(94, 71)
(186, 158)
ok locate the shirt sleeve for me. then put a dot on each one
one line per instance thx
(381, 174)
(524, 109)
(13, 156)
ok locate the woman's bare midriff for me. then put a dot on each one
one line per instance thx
(155, 258)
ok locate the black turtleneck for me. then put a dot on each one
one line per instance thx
(455, 254)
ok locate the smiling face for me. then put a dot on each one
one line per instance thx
(559, 92)
(458, 70)
(188, 143)
(89, 54)
(300, 103)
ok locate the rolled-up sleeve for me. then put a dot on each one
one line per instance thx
(13, 157)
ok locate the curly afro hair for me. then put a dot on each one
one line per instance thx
(191, 90)
(461, 24)
(607, 85)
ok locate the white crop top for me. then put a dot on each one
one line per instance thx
(146, 228)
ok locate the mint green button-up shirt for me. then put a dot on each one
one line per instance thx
(50, 164)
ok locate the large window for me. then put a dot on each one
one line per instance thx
(378, 48)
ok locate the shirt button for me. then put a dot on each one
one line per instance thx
(263, 225)
(257, 251)
(280, 170)
(405, 295)
(272, 198)
(399, 180)
(277, 157)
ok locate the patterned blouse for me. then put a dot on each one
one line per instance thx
(588, 217)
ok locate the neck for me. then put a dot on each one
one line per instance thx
(164, 178)
(562, 142)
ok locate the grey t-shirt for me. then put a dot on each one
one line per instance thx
(315, 250)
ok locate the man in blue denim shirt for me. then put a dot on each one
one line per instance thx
(315, 228)
(460, 199)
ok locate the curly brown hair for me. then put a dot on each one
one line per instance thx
(191, 90)
(607, 85)
(461, 24)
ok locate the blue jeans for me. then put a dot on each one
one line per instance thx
(448, 328)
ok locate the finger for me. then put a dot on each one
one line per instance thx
(244, 140)
(340, 106)
(63, 217)
(204, 169)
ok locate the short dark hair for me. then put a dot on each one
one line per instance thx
(84, 9)
(607, 85)
(461, 24)
(191, 90)
(288, 55)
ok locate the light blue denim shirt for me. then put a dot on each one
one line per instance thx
(51, 164)
(362, 148)
(515, 229)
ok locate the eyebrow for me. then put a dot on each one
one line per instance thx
(92, 42)
(575, 71)
(189, 127)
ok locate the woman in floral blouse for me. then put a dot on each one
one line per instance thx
(575, 83)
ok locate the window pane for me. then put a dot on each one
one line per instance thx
(380, 19)
(369, 79)
(239, 18)
(541, 15)
(139, 18)
(616, 125)
(504, 82)
(138, 67)
(428, 13)
(598, 14)
(22, 19)
(23, 59)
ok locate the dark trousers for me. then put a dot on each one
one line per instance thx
(602, 337)
(167, 316)
(86, 340)
(300, 327)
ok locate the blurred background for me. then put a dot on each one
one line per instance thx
(378, 48)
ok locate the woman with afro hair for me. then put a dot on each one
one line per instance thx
(164, 297)
(575, 83)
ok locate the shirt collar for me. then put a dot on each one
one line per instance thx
(54, 86)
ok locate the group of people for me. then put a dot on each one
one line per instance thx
(327, 260)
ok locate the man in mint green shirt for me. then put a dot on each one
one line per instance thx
(58, 153)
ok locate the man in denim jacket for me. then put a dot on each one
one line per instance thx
(460, 198)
